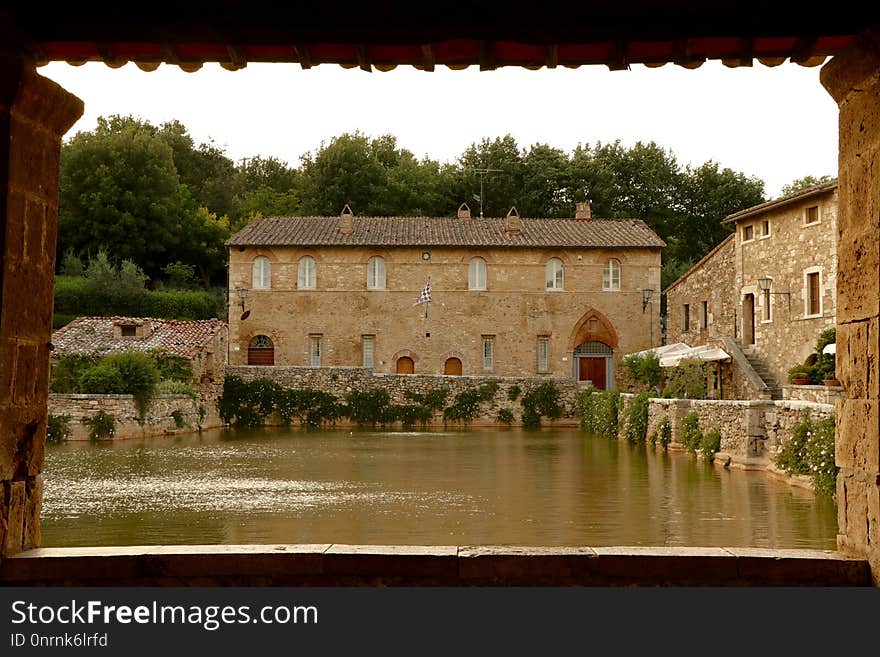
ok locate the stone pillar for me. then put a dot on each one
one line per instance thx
(853, 80)
(34, 114)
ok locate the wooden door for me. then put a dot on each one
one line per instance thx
(592, 369)
(405, 365)
(452, 367)
(261, 356)
(749, 319)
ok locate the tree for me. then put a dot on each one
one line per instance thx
(546, 173)
(706, 195)
(806, 182)
(501, 189)
(119, 191)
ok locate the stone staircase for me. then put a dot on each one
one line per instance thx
(763, 371)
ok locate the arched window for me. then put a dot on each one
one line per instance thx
(555, 277)
(477, 274)
(261, 273)
(376, 273)
(305, 276)
(261, 351)
(611, 275)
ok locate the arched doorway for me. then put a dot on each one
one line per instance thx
(261, 351)
(594, 363)
(452, 367)
(405, 365)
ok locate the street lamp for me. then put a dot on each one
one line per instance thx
(242, 297)
(646, 298)
(765, 283)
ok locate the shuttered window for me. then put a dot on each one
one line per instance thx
(306, 279)
(543, 353)
(368, 343)
(813, 293)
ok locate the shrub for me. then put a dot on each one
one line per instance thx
(101, 426)
(690, 435)
(139, 376)
(71, 265)
(710, 443)
(645, 369)
(664, 432)
(172, 367)
(465, 407)
(688, 380)
(810, 451)
(505, 415)
(179, 422)
(598, 411)
(172, 387)
(410, 414)
(246, 404)
(513, 392)
(541, 401)
(488, 390)
(101, 379)
(67, 370)
(369, 407)
(57, 428)
(637, 419)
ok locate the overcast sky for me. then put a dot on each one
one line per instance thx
(774, 123)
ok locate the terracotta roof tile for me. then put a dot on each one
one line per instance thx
(447, 231)
(94, 335)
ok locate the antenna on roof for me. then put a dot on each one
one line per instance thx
(481, 173)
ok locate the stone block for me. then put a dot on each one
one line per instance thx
(26, 367)
(509, 564)
(15, 513)
(32, 536)
(662, 566)
(763, 567)
(852, 67)
(858, 358)
(857, 436)
(411, 561)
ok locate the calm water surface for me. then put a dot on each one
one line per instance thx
(555, 487)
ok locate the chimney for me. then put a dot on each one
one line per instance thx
(464, 212)
(583, 211)
(512, 224)
(346, 220)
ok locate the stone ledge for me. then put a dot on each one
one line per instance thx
(404, 565)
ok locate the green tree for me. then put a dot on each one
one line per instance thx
(806, 182)
(501, 189)
(545, 192)
(119, 191)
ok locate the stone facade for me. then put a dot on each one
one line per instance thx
(122, 408)
(341, 381)
(787, 240)
(515, 311)
(710, 281)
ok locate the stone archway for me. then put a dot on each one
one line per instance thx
(592, 345)
(593, 326)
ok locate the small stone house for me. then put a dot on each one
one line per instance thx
(771, 286)
(509, 296)
(202, 342)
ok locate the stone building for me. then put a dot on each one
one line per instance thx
(771, 286)
(201, 342)
(509, 296)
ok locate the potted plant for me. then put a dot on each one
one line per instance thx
(799, 375)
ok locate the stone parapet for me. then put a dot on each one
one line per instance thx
(158, 421)
(817, 394)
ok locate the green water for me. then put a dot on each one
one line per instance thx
(554, 487)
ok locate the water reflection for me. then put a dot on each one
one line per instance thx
(557, 487)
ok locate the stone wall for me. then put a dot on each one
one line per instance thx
(817, 394)
(122, 408)
(341, 381)
(515, 309)
(752, 431)
(711, 280)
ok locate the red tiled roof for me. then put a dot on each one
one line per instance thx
(800, 195)
(94, 335)
(447, 231)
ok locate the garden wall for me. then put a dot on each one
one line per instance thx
(818, 394)
(340, 381)
(752, 432)
(122, 408)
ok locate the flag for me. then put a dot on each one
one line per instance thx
(425, 296)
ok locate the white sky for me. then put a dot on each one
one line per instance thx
(775, 123)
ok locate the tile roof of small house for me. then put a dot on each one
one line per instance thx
(447, 231)
(800, 195)
(95, 335)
